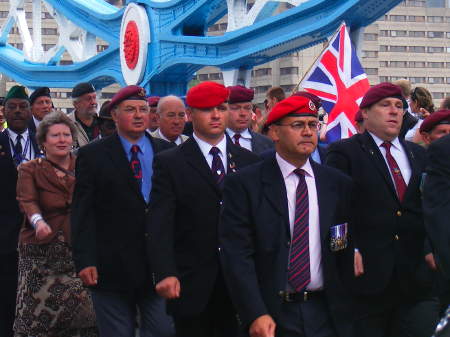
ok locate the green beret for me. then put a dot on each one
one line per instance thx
(17, 91)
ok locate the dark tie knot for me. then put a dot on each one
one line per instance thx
(387, 146)
(214, 151)
(19, 137)
(135, 149)
(237, 136)
(300, 172)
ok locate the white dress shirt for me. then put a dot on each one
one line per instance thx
(177, 141)
(315, 251)
(246, 138)
(36, 122)
(29, 153)
(206, 147)
(399, 154)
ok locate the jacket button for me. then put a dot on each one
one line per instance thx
(146, 210)
(399, 213)
(396, 237)
(288, 243)
(146, 235)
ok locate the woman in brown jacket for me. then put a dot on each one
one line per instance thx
(51, 300)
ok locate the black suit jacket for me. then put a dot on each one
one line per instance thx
(436, 202)
(108, 215)
(260, 143)
(255, 239)
(183, 222)
(10, 215)
(389, 234)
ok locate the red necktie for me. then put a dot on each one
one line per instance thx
(399, 182)
(299, 274)
(236, 139)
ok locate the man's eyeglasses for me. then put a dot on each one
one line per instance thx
(301, 126)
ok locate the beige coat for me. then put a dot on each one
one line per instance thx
(82, 138)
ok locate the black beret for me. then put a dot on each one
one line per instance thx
(43, 91)
(82, 88)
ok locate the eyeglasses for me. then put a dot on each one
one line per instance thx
(301, 126)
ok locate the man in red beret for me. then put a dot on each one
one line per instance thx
(186, 200)
(153, 119)
(110, 203)
(283, 232)
(435, 126)
(388, 225)
(240, 119)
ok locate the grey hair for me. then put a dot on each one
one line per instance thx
(51, 119)
(168, 98)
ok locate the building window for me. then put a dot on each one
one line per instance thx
(215, 76)
(369, 53)
(384, 33)
(262, 89)
(436, 3)
(47, 46)
(371, 71)
(436, 80)
(415, 18)
(398, 48)
(436, 49)
(436, 64)
(398, 64)
(447, 80)
(288, 88)
(3, 14)
(384, 64)
(49, 31)
(384, 48)
(65, 62)
(384, 78)
(435, 19)
(370, 37)
(415, 33)
(108, 94)
(417, 49)
(203, 77)
(435, 34)
(438, 95)
(398, 33)
(415, 80)
(213, 28)
(415, 3)
(101, 47)
(262, 72)
(416, 64)
(289, 71)
(398, 18)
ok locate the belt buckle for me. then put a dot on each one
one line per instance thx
(305, 296)
(287, 297)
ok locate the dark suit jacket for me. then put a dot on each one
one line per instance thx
(10, 215)
(436, 202)
(183, 222)
(32, 126)
(108, 215)
(389, 234)
(255, 239)
(260, 143)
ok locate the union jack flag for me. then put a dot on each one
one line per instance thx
(339, 80)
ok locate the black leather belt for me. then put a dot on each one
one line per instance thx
(304, 296)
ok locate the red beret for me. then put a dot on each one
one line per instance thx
(129, 92)
(436, 118)
(292, 106)
(359, 117)
(207, 95)
(316, 100)
(239, 94)
(153, 101)
(380, 91)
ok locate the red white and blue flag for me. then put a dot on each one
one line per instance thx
(339, 80)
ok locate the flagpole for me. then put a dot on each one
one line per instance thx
(315, 60)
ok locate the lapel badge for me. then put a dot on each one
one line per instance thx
(142, 92)
(371, 152)
(233, 166)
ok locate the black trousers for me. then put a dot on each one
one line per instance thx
(393, 314)
(217, 320)
(8, 292)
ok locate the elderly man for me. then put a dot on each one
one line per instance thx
(85, 103)
(16, 146)
(389, 230)
(240, 119)
(41, 105)
(183, 248)
(279, 232)
(172, 117)
(435, 126)
(153, 122)
(110, 203)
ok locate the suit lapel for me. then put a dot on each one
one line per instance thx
(274, 188)
(370, 147)
(323, 193)
(120, 160)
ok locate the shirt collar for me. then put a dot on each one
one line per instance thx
(244, 134)
(36, 121)
(176, 141)
(287, 168)
(206, 147)
(395, 143)
(13, 135)
(127, 145)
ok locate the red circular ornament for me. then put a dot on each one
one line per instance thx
(131, 45)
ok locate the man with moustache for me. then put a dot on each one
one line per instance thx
(17, 145)
(279, 228)
(172, 117)
(240, 119)
(388, 224)
(183, 247)
(85, 104)
(110, 203)
(41, 105)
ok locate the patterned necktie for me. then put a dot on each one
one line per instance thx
(135, 164)
(299, 274)
(18, 151)
(236, 138)
(217, 168)
(399, 182)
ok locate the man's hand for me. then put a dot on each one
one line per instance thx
(429, 259)
(168, 288)
(263, 326)
(42, 230)
(89, 276)
(358, 264)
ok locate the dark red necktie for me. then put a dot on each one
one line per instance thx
(399, 182)
(135, 164)
(217, 168)
(299, 274)
(236, 137)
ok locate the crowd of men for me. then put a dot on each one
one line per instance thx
(186, 219)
